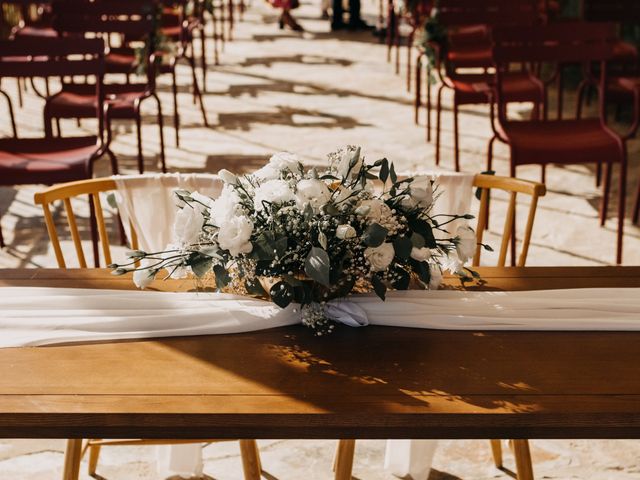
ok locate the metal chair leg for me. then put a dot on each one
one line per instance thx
(438, 115)
(176, 117)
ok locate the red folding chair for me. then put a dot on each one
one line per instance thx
(468, 24)
(132, 20)
(544, 141)
(50, 159)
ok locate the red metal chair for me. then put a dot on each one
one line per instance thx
(469, 47)
(132, 20)
(544, 141)
(50, 159)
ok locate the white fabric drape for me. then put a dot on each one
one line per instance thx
(147, 202)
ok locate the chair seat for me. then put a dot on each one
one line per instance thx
(36, 31)
(624, 52)
(120, 61)
(45, 160)
(560, 141)
(517, 87)
(79, 101)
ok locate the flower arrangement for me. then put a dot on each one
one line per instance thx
(309, 236)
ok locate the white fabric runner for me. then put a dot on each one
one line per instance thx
(34, 316)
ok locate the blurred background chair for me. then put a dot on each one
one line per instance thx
(51, 159)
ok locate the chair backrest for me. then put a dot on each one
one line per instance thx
(619, 11)
(52, 57)
(513, 187)
(144, 204)
(555, 44)
(134, 19)
(66, 192)
(457, 13)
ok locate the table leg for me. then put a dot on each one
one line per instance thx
(250, 459)
(344, 460)
(521, 451)
(72, 457)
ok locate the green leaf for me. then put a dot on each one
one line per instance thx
(322, 239)
(417, 240)
(136, 254)
(200, 264)
(317, 266)
(401, 279)
(111, 200)
(379, 287)
(222, 276)
(422, 269)
(384, 171)
(424, 228)
(254, 287)
(281, 294)
(374, 235)
(119, 271)
(329, 177)
(393, 175)
(402, 246)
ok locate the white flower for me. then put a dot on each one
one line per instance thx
(466, 242)
(282, 161)
(272, 191)
(188, 224)
(227, 177)
(420, 193)
(175, 273)
(420, 254)
(234, 235)
(435, 276)
(380, 257)
(312, 191)
(452, 264)
(345, 231)
(378, 210)
(342, 166)
(142, 278)
(226, 206)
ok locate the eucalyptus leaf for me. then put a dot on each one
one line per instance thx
(200, 264)
(384, 171)
(254, 287)
(282, 294)
(375, 235)
(423, 228)
(402, 246)
(222, 276)
(322, 239)
(317, 266)
(379, 287)
(111, 200)
(393, 175)
(417, 240)
(401, 279)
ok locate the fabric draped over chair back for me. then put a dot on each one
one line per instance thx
(147, 203)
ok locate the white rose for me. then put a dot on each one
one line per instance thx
(282, 161)
(142, 278)
(466, 243)
(420, 254)
(345, 231)
(420, 193)
(227, 177)
(380, 257)
(272, 191)
(378, 210)
(188, 224)
(314, 192)
(435, 276)
(342, 166)
(234, 235)
(226, 206)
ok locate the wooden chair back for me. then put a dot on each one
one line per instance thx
(513, 186)
(66, 192)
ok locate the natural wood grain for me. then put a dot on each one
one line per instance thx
(374, 382)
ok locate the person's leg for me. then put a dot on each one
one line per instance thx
(337, 21)
(354, 12)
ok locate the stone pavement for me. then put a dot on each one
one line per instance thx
(310, 93)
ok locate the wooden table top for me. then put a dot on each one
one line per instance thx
(374, 382)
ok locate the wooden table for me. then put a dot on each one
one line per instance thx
(374, 382)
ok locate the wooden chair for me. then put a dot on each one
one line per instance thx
(486, 183)
(93, 188)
